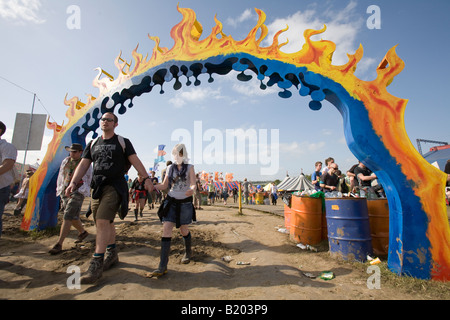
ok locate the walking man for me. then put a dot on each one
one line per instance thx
(110, 155)
(8, 155)
(73, 202)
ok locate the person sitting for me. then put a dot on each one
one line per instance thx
(342, 185)
(366, 178)
(329, 180)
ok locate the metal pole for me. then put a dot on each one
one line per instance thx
(28, 137)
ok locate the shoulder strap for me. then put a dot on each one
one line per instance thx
(94, 142)
(120, 138)
(123, 145)
(122, 142)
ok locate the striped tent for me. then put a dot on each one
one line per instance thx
(299, 183)
(231, 185)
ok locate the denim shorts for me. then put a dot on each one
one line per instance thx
(72, 206)
(186, 213)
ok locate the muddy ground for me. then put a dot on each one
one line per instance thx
(275, 269)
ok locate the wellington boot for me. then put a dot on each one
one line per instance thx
(188, 247)
(164, 259)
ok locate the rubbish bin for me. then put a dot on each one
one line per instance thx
(287, 217)
(259, 198)
(348, 228)
(306, 220)
(379, 225)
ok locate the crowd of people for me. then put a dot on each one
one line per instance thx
(359, 180)
(98, 171)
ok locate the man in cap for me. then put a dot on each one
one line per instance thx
(72, 202)
(8, 155)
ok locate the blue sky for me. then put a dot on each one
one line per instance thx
(41, 54)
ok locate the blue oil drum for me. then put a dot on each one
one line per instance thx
(348, 228)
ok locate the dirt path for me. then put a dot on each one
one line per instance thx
(275, 271)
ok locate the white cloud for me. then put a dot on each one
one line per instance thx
(151, 124)
(327, 132)
(342, 28)
(367, 69)
(21, 10)
(246, 15)
(195, 96)
(253, 89)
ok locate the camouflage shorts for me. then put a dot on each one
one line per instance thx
(72, 206)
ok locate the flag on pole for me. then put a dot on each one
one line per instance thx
(161, 153)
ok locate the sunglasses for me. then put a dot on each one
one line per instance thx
(107, 119)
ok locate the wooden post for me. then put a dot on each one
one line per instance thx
(240, 199)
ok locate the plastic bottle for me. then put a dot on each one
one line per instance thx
(362, 193)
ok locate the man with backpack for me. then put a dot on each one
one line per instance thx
(111, 156)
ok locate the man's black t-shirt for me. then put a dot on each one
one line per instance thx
(352, 169)
(365, 172)
(330, 180)
(154, 180)
(108, 157)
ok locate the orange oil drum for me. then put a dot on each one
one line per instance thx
(379, 225)
(306, 220)
(287, 217)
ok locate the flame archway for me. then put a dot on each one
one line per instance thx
(373, 124)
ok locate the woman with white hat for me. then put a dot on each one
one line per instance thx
(177, 210)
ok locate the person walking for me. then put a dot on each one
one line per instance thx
(178, 208)
(140, 196)
(211, 192)
(111, 156)
(235, 194)
(8, 156)
(73, 202)
(197, 193)
(246, 190)
(225, 193)
(274, 193)
(22, 196)
(155, 194)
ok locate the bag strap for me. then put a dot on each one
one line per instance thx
(122, 142)
(120, 138)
